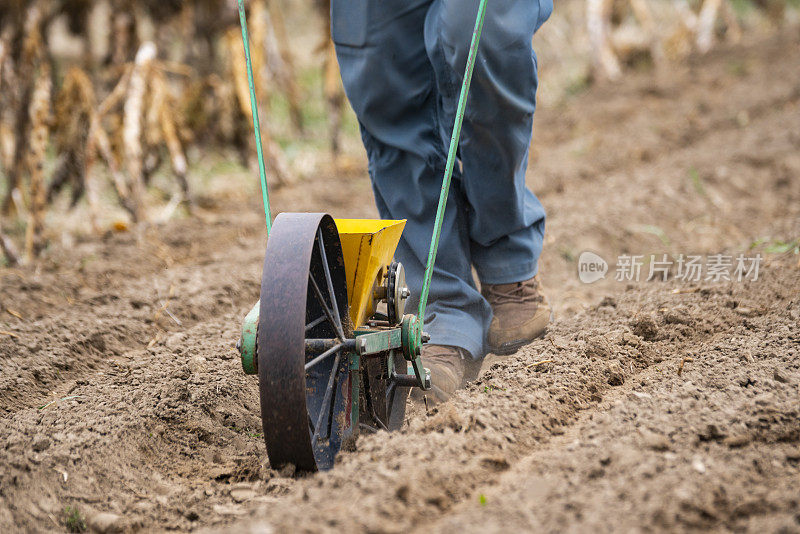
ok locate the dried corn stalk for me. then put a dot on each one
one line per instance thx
(598, 26)
(32, 50)
(40, 130)
(697, 30)
(7, 104)
(5, 49)
(163, 128)
(286, 74)
(149, 121)
(649, 30)
(100, 145)
(331, 83)
(224, 96)
(272, 153)
(334, 97)
(259, 20)
(74, 109)
(8, 249)
(132, 127)
(705, 24)
(620, 31)
(123, 36)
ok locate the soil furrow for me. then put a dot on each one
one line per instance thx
(715, 446)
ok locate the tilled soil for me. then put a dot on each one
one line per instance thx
(648, 406)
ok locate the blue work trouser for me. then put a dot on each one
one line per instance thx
(402, 64)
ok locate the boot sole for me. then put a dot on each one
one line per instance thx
(511, 347)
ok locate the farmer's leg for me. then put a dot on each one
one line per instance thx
(389, 82)
(506, 220)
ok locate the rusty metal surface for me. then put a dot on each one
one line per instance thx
(287, 306)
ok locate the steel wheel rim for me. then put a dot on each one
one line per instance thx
(305, 413)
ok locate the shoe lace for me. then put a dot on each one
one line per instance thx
(521, 292)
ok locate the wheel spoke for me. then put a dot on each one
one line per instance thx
(315, 322)
(370, 405)
(328, 312)
(331, 293)
(315, 361)
(326, 399)
(332, 404)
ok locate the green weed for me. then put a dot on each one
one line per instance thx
(781, 247)
(73, 520)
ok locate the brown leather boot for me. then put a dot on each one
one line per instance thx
(521, 314)
(446, 365)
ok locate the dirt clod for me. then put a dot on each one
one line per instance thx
(655, 441)
(242, 494)
(737, 441)
(105, 523)
(40, 443)
(645, 327)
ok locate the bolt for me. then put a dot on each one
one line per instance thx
(239, 346)
(405, 293)
(362, 345)
(427, 378)
(425, 337)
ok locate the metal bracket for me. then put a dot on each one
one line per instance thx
(377, 341)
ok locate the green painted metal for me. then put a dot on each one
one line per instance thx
(411, 336)
(377, 341)
(247, 343)
(256, 124)
(451, 159)
(355, 361)
(407, 338)
(411, 328)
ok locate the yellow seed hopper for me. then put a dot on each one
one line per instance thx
(368, 246)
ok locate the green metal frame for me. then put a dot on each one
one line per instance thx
(406, 338)
(371, 341)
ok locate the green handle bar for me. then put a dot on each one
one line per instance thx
(254, 106)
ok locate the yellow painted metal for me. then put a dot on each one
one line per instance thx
(368, 246)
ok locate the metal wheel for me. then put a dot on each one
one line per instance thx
(383, 404)
(305, 344)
